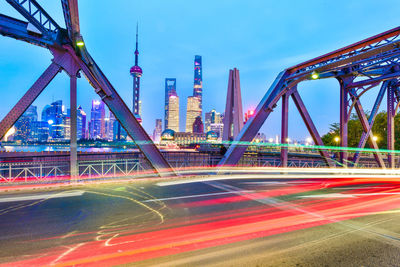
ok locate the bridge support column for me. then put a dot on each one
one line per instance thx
(73, 130)
(390, 124)
(344, 117)
(284, 130)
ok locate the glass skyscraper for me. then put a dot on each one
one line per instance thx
(198, 81)
(97, 120)
(170, 90)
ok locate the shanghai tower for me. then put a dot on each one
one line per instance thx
(198, 81)
(136, 73)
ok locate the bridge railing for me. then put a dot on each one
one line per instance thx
(39, 171)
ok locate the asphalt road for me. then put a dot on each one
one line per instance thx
(237, 222)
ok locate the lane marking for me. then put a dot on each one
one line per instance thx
(266, 183)
(199, 195)
(333, 195)
(43, 196)
(340, 195)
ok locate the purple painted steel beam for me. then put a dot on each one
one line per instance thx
(73, 130)
(18, 29)
(373, 80)
(284, 130)
(28, 98)
(344, 116)
(253, 125)
(390, 124)
(36, 15)
(310, 126)
(367, 129)
(371, 121)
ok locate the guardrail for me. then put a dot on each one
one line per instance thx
(59, 170)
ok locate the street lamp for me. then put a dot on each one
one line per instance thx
(337, 139)
(314, 75)
(375, 138)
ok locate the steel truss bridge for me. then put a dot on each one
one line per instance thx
(358, 68)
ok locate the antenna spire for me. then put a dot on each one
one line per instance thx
(137, 51)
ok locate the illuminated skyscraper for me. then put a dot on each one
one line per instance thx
(53, 114)
(212, 117)
(198, 81)
(173, 113)
(136, 73)
(198, 126)
(97, 120)
(81, 123)
(170, 90)
(193, 110)
(157, 131)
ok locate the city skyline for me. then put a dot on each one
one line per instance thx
(259, 63)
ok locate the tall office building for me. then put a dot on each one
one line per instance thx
(31, 113)
(81, 123)
(198, 126)
(24, 124)
(39, 131)
(97, 120)
(212, 117)
(67, 124)
(157, 131)
(136, 73)
(53, 114)
(193, 110)
(170, 90)
(173, 113)
(198, 81)
(110, 127)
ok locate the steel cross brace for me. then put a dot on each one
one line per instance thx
(371, 121)
(251, 128)
(28, 98)
(284, 129)
(390, 123)
(311, 126)
(367, 129)
(57, 41)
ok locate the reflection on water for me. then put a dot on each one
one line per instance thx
(42, 148)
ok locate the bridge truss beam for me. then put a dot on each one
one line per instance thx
(71, 57)
(375, 59)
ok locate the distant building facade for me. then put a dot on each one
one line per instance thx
(97, 120)
(173, 113)
(193, 110)
(198, 126)
(170, 90)
(81, 123)
(157, 131)
(198, 81)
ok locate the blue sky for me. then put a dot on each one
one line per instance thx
(260, 38)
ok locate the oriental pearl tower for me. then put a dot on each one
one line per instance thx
(136, 73)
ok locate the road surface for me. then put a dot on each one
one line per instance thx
(231, 222)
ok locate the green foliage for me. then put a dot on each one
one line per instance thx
(355, 130)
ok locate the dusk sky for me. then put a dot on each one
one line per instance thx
(260, 38)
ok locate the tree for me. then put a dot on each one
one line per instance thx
(355, 131)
